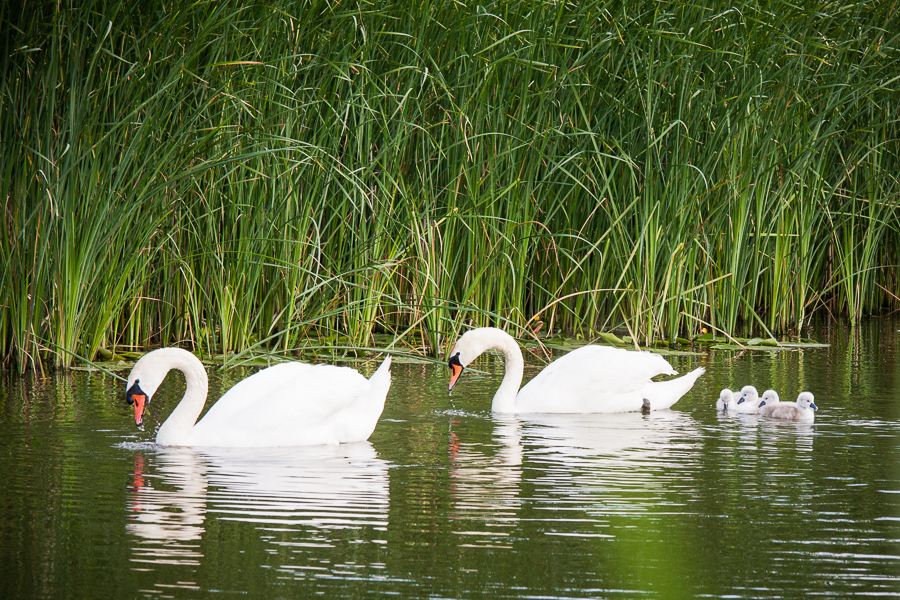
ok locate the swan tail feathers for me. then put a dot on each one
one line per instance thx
(667, 393)
(381, 379)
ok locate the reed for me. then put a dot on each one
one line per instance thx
(293, 174)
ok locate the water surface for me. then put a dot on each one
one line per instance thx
(448, 501)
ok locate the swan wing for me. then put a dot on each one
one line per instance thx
(602, 379)
(294, 404)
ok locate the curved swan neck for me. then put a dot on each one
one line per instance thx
(505, 398)
(176, 430)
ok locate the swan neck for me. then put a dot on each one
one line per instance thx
(505, 398)
(176, 431)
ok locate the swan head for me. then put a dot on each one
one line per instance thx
(806, 400)
(748, 394)
(465, 350)
(770, 397)
(456, 368)
(472, 344)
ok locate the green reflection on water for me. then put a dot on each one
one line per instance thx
(447, 500)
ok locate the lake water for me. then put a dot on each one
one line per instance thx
(448, 501)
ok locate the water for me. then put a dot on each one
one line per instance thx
(448, 501)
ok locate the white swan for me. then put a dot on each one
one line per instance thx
(748, 402)
(290, 404)
(726, 400)
(801, 410)
(591, 379)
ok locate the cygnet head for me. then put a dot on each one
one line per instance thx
(726, 399)
(806, 400)
(769, 397)
(749, 394)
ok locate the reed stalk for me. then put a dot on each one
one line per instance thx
(294, 174)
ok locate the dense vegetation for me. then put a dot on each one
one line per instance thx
(305, 173)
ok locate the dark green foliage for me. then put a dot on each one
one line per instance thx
(307, 173)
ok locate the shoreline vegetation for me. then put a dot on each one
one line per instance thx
(288, 175)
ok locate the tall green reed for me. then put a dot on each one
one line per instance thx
(304, 175)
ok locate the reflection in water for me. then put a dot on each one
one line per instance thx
(304, 494)
(593, 467)
(485, 486)
(692, 503)
(324, 487)
(586, 465)
(169, 522)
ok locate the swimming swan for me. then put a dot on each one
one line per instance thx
(290, 404)
(591, 379)
(801, 410)
(726, 400)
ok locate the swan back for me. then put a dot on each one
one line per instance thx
(594, 379)
(296, 404)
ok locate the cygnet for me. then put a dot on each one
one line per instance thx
(801, 410)
(726, 400)
(748, 403)
(770, 397)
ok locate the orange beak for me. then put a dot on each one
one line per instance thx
(455, 371)
(139, 401)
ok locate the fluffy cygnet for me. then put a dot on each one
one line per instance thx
(748, 403)
(726, 400)
(801, 410)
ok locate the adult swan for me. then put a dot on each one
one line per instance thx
(591, 379)
(290, 404)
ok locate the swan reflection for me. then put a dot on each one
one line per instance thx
(309, 491)
(595, 467)
(326, 487)
(484, 485)
(625, 436)
(168, 517)
(584, 469)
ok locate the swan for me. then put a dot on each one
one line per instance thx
(801, 410)
(749, 400)
(591, 379)
(726, 400)
(290, 404)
